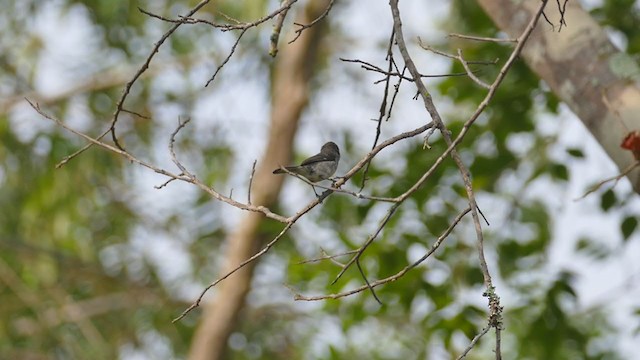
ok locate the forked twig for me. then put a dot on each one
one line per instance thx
(616, 178)
(303, 27)
(397, 275)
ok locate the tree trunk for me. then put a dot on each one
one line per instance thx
(583, 68)
(292, 71)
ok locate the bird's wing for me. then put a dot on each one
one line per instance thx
(318, 158)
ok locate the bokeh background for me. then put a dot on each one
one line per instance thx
(95, 262)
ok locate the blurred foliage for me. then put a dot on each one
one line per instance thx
(54, 225)
(77, 283)
(622, 16)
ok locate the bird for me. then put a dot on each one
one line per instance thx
(318, 167)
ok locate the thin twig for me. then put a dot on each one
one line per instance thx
(370, 67)
(154, 51)
(481, 38)
(253, 171)
(470, 73)
(498, 341)
(291, 220)
(355, 194)
(68, 158)
(136, 114)
(303, 27)
(366, 281)
(165, 183)
(383, 104)
(368, 242)
(473, 342)
(562, 10)
(189, 179)
(187, 19)
(142, 69)
(397, 275)
(395, 93)
(174, 158)
(465, 63)
(326, 256)
(553, 28)
(240, 266)
(227, 58)
(495, 309)
(617, 178)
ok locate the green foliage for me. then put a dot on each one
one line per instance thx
(54, 224)
(592, 248)
(550, 332)
(576, 153)
(120, 19)
(628, 226)
(608, 200)
(623, 16)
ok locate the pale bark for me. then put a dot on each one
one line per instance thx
(290, 94)
(583, 68)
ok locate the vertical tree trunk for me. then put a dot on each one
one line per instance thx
(292, 71)
(583, 68)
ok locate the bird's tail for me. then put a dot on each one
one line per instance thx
(280, 171)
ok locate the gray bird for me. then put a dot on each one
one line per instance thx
(318, 167)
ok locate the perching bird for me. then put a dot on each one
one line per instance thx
(318, 167)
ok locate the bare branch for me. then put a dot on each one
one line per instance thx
(470, 73)
(615, 179)
(145, 66)
(68, 158)
(485, 102)
(174, 158)
(186, 177)
(562, 9)
(189, 179)
(304, 27)
(342, 180)
(142, 69)
(396, 276)
(355, 194)
(253, 171)
(136, 114)
(292, 220)
(473, 342)
(187, 19)
(326, 256)
(227, 58)
(370, 67)
(366, 281)
(465, 64)
(277, 28)
(240, 266)
(480, 38)
(383, 105)
(165, 183)
(495, 309)
(553, 28)
(372, 237)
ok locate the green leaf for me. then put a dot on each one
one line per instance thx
(628, 226)
(575, 152)
(559, 171)
(592, 248)
(607, 200)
